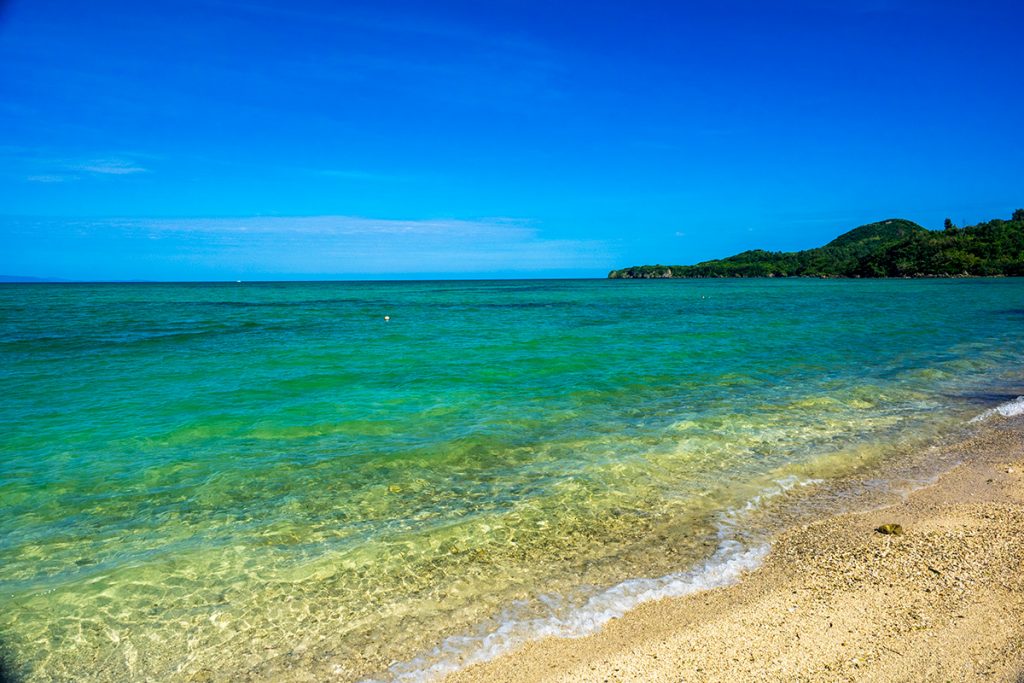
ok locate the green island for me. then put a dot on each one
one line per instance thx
(891, 248)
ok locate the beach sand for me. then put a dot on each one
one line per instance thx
(838, 601)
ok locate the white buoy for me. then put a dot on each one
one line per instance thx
(387, 318)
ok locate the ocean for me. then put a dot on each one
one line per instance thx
(388, 480)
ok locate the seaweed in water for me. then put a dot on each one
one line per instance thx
(6, 668)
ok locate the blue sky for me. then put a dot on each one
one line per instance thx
(245, 139)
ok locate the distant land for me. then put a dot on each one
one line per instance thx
(891, 248)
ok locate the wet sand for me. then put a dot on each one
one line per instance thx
(838, 601)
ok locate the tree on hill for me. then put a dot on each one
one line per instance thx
(890, 248)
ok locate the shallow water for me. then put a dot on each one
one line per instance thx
(258, 481)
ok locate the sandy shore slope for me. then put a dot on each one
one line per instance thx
(838, 601)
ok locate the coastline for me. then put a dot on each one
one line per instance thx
(836, 600)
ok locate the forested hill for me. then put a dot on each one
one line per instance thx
(890, 248)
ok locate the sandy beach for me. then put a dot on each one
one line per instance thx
(837, 600)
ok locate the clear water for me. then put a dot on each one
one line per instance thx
(269, 481)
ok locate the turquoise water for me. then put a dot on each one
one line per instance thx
(270, 481)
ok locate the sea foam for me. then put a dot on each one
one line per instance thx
(508, 631)
(1008, 409)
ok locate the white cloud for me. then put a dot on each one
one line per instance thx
(51, 178)
(317, 245)
(339, 225)
(111, 167)
(40, 168)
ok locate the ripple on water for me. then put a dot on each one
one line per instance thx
(296, 490)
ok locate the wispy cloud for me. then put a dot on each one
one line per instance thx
(322, 245)
(41, 166)
(111, 167)
(51, 178)
(326, 226)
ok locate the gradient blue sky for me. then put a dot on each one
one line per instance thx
(245, 139)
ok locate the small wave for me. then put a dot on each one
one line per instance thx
(507, 632)
(457, 652)
(1008, 409)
